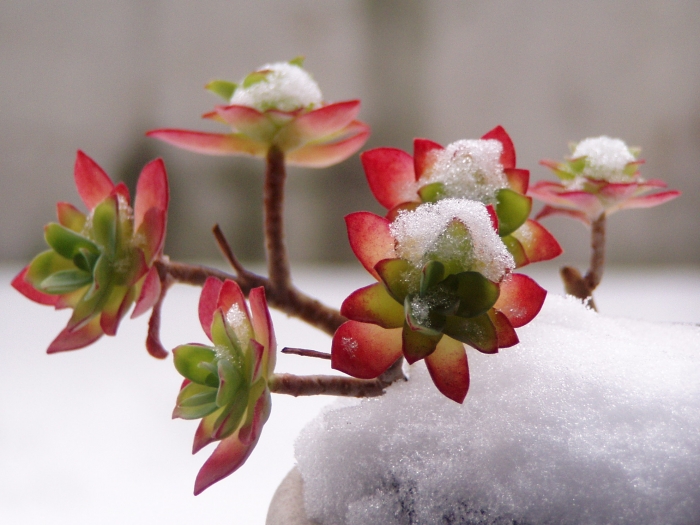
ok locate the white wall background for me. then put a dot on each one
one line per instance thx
(97, 74)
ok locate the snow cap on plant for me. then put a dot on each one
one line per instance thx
(482, 170)
(226, 385)
(601, 177)
(444, 281)
(99, 264)
(277, 105)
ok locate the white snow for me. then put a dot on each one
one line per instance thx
(605, 158)
(420, 233)
(469, 169)
(589, 420)
(287, 87)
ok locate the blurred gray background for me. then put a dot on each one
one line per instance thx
(97, 74)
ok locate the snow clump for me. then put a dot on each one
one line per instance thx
(285, 86)
(469, 169)
(589, 420)
(606, 158)
(422, 234)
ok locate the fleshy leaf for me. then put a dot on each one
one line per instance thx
(475, 292)
(70, 339)
(393, 273)
(211, 143)
(508, 154)
(418, 345)
(478, 332)
(370, 239)
(505, 331)
(537, 242)
(66, 242)
(223, 88)
(263, 328)
(325, 121)
(365, 350)
(373, 304)
(521, 299)
(224, 461)
(326, 153)
(423, 157)
(188, 360)
(449, 369)
(512, 209)
(208, 303)
(70, 216)
(93, 184)
(390, 175)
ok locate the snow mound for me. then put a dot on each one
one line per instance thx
(589, 420)
(606, 158)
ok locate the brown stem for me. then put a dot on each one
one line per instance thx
(277, 260)
(153, 344)
(291, 301)
(326, 385)
(595, 272)
(582, 287)
(306, 353)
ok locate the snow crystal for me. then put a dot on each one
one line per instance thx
(589, 420)
(420, 235)
(238, 320)
(469, 169)
(606, 158)
(286, 87)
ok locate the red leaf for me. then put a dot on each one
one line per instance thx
(150, 292)
(326, 120)
(324, 154)
(508, 154)
(93, 184)
(208, 303)
(370, 239)
(74, 339)
(224, 461)
(390, 175)
(449, 369)
(518, 179)
(373, 304)
(365, 350)
(539, 244)
(211, 143)
(151, 191)
(26, 289)
(520, 300)
(422, 155)
(504, 330)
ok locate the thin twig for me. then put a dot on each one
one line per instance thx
(153, 343)
(227, 251)
(306, 353)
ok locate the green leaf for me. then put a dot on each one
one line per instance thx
(396, 275)
(475, 292)
(516, 250)
(422, 317)
(230, 379)
(66, 242)
(85, 259)
(432, 274)
(230, 420)
(223, 88)
(453, 247)
(192, 361)
(418, 345)
(478, 332)
(195, 401)
(221, 337)
(104, 224)
(65, 281)
(577, 165)
(513, 209)
(45, 264)
(432, 192)
(255, 77)
(298, 61)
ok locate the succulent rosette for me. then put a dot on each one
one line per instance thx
(482, 170)
(277, 105)
(226, 385)
(444, 281)
(99, 264)
(601, 177)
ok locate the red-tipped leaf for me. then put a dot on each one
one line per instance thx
(390, 175)
(520, 300)
(449, 369)
(370, 239)
(364, 350)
